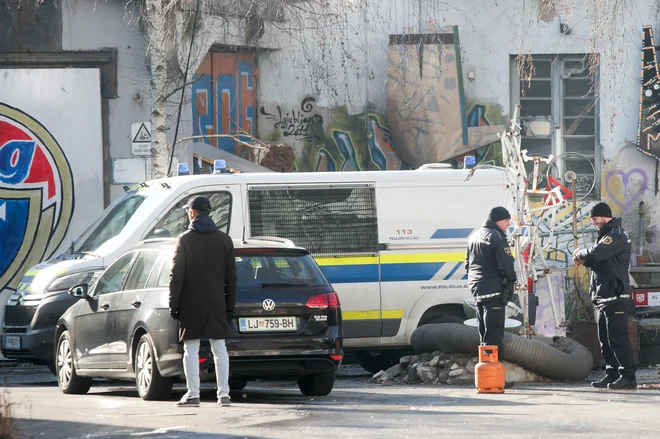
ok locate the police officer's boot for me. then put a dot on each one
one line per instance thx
(603, 382)
(623, 383)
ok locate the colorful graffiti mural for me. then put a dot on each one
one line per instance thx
(426, 102)
(379, 150)
(225, 99)
(329, 140)
(36, 194)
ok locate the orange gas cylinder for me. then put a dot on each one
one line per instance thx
(489, 372)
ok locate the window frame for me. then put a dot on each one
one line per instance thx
(96, 293)
(557, 97)
(186, 196)
(156, 265)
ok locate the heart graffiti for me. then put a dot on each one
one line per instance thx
(625, 180)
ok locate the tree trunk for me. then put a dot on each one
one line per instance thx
(158, 38)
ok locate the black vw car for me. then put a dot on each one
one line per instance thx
(287, 323)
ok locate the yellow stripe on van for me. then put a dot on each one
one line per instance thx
(386, 258)
(356, 260)
(392, 314)
(373, 315)
(361, 315)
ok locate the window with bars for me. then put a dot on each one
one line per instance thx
(559, 117)
(337, 220)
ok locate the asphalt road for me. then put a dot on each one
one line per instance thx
(355, 409)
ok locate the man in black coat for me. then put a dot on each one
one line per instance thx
(609, 259)
(491, 275)
(203, 296)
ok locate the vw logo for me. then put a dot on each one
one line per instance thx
(269, 304)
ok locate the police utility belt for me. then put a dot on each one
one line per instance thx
(611, 299)
(488, 296)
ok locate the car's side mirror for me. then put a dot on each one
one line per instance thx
(79, 290)
(160, 233)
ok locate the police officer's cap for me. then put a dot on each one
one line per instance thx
(601, 209)
(199, 203)
(498, 213)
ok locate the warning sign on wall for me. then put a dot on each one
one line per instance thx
(141, 138)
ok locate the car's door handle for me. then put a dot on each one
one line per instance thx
(136, 304)
(105, 306)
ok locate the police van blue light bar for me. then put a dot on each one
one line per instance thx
(183, 169)
(469, 162)
(220, 167)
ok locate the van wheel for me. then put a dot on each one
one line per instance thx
(65, 369)
(319, 384)
(237, 383)
(374, 362)
(148, 380)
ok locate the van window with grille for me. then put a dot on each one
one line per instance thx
(325, 220)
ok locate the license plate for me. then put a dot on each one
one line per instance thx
(268, 324)
(11, 342)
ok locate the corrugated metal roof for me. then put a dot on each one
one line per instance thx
(211, 153)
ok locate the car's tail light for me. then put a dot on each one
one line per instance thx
(337, 357)
(330, 300)
(201, 360)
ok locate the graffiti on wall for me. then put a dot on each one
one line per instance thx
(225, 99)
(426, 102)
(36, 194)
(648, 131)
(298, 124)
(338, 142)
(626, 189)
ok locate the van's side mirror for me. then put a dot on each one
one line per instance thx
(79, 290)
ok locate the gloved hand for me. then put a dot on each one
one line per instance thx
(174, 313)
(230, 316)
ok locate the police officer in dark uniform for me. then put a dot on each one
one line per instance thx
(608, 259)
(491, 275)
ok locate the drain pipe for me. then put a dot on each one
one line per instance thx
(641, 228)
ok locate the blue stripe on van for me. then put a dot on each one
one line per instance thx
(451, 233)
(409, 272)
(351, 273)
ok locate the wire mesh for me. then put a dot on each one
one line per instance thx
(338, 220)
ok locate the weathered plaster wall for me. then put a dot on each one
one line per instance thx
(91, 25)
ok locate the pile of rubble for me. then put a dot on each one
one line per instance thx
(442, 368)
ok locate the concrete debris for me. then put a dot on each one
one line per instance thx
(441, 368)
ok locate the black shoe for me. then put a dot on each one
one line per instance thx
(623, 383)
(603, 383)
(188, 402)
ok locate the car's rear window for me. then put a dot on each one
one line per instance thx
(264, 270)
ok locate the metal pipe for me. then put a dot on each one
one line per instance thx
(641, 228)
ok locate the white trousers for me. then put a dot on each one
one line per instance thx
(191, 366)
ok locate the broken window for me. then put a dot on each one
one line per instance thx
(559, 116)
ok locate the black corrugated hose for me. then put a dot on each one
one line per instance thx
(565, 359)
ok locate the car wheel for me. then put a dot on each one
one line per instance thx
(375, 362)
(237, 383)
(319, 384)
(65, 370)
(52, 366)
(148, 380)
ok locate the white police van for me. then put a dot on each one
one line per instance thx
(392, 243)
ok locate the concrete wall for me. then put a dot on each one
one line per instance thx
(91, 25)
(343, 66)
